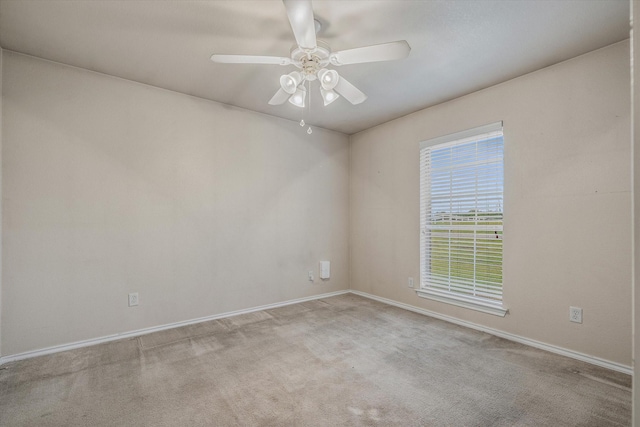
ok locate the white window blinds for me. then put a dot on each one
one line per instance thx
(461, 202)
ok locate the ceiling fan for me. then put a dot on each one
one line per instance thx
(312, 57)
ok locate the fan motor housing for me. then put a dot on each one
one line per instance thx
(311, 60)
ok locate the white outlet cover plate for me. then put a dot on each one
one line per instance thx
(575, 314)
(133, 299)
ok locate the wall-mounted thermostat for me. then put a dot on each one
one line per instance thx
(325, 269)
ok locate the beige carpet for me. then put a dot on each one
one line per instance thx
(341, 361)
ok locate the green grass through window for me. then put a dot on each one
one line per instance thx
(452, 257)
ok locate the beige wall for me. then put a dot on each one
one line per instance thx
(635, 6)
(567, 230)
(111, 187)
(1, 51)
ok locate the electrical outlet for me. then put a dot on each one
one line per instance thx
(133, 299)
(575, 314)
(311, 275)
(411, 282)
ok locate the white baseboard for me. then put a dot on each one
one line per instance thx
(512, 337)
(138, 332)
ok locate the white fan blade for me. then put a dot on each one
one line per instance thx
(250, 59)
(279, 98)
(300, 15)
(349, 91)
(379, 52)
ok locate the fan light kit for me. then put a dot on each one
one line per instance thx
(312, 57)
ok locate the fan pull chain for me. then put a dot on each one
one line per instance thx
(302, 115)
(309, 131)
(302, 118)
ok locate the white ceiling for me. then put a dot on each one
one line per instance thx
(458, 47)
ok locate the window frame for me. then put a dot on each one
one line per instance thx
(486, 305)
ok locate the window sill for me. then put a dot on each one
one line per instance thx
(467, 302)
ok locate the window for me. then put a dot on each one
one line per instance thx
(461, 212)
